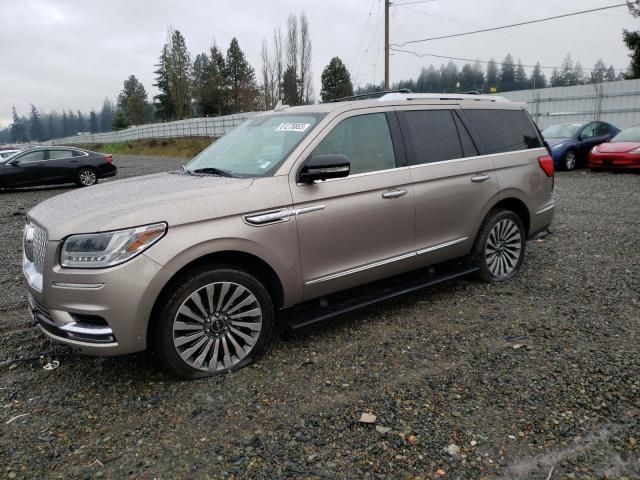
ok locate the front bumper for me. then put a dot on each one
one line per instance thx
(95, 311)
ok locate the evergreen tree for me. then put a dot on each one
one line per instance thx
(179, 74)
(289, 86)
(163, 103)
(492, 75)
(556, 78)
(201, 68)
(132, 101)
(72, 124)
(610, 76)
(567, 72)
(51, 131)
(507, 74)
(578, 74)
(538, 79)
(120, 121)
(449, 77)
(521, 79)
(64, 131)
(632, 41)
(478, 75)
(36, 129)
(18, 129)
(467, 78)
(336, 81)
(93, 122)
(241, 79)
(81, 123)
(599, 70)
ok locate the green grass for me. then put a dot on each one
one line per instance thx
(168, 147)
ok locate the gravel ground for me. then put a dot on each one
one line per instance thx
(535, 378)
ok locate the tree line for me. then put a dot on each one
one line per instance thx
(504, 76)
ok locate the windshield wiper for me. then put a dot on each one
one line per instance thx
(213, 171)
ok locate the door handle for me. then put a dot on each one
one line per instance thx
(480, 178)
(394, 194)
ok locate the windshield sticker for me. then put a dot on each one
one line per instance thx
(292, 127)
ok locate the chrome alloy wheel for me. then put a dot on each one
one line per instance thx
(87, 177)
(570, 160)
(504, 248)
(217, 326)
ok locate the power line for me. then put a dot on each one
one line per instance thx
(529, 22)
(448, 57)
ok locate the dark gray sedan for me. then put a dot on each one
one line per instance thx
(55, 165)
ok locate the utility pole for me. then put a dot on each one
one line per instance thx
(386, 44)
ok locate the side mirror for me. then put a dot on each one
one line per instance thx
(323, 167)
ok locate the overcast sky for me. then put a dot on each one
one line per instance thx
(70, 54)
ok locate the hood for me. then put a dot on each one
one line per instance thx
(618, 147)
(552, 142)
(163, 197)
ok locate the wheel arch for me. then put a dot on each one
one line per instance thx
(240, 260)
(509, 201)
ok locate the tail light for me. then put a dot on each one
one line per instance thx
(108, 158)
(546, 164)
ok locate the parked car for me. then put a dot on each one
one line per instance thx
(295, 205)
(622, 152)
(7, 153)
(570, 143)
(55, 165)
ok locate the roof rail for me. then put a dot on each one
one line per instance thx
(442, 96)
(364, 96)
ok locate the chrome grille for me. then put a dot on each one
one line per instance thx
(39, 247)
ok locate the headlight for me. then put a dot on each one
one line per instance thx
(27, 241)
(595, 149)
(98, 250)
(560, 145)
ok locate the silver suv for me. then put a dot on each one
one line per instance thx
(295, 204)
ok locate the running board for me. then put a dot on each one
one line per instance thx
(324, 308)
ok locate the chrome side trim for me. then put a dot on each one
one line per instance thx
(442, 245)
(546, 209)
(455, 160)
(362, 268)
(275, 216)
(79, 286)
(385, 262)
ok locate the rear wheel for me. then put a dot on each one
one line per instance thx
(500, 246)
(213, 321)
(86, 177)
(570, 160)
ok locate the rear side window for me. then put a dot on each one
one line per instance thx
(504, 130)
(365, 140)
(56, 154)
(430, 136)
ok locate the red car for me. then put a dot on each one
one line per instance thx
(621, 153)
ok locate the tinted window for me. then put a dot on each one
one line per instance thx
(364, 139)
(602, 129)
(32, 156)
(55, 154)
(78, 153)
(430, 136)
(468, 147)
(589, 131)
(504, 130)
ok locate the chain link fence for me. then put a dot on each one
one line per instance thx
(191, 127)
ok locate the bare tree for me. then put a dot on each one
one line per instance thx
(292, 47)
(278, 61)
(269, 80)
(306, 92)
(634, 7)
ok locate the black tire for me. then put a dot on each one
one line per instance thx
(570, 160)
(181, 293)
(86, 177)
(511, 251)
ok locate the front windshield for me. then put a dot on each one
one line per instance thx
(564, 130)
(628, 135)
(257, 147)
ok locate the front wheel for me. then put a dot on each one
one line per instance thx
(212, 322)
(500, 245)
